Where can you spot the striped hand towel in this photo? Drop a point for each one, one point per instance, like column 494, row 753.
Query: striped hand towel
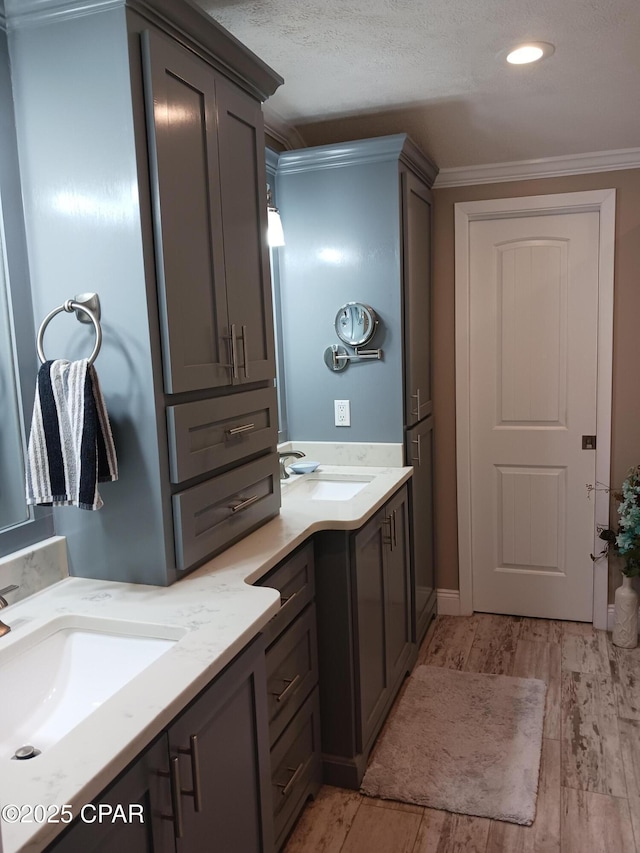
column 70, row 446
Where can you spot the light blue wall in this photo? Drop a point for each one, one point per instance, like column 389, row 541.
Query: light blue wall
column 74, row 116
column 342, row 232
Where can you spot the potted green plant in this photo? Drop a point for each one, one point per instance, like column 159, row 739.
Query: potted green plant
column 625, row 543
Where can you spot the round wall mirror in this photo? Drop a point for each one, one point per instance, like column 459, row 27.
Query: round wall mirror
column 356, row 323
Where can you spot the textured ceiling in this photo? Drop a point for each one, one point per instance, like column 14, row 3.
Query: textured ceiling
column 355, row 68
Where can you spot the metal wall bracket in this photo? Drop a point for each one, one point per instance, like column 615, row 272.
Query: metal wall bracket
column 337, row 357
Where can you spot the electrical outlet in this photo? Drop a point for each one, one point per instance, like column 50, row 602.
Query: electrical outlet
column 342, row 410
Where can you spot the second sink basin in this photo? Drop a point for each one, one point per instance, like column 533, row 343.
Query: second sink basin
column 331, row 487
column 53, row 678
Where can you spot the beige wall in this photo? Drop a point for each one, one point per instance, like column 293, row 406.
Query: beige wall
column 626, row 356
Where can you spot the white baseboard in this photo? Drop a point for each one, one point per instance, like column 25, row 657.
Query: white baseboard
column 448, row 602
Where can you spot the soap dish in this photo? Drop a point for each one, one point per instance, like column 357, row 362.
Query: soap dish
column 305, row 467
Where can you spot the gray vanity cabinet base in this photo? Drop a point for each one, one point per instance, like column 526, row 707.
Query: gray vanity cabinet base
column 420, row 454
column 296, row 772
column 229, row 721
column 205, row 783
column 144, row 784
column 365, row 646
column 292, row 691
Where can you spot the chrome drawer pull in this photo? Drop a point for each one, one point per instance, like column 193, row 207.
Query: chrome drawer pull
column 237, row 430
column 296, row 775
column 193, row 753
column 176, row 817
column 417, row 460
column 394, row 531
column 291, row 683
column 244, row 504
column 288, row 598
column 389, row 541
column 234, row 351
column 416, row 396
column 245, row 346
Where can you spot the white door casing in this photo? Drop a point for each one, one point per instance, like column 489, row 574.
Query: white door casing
column 518, row 428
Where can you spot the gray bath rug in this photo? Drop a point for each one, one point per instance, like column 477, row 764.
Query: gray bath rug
column 462, row 742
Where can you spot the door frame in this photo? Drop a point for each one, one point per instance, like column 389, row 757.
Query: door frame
column 604, row 203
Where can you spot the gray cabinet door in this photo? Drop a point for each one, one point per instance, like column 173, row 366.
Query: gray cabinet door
column 383, row 602
column 420, row 454
column 363, row 598
column 143, row 789
column 180, row 101
column 372, row 678
column 221, row 743
column 416, row 227
column 244, row 226
column 398, row 622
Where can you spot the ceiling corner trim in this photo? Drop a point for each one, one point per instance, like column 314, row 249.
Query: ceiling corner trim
column 548, row 167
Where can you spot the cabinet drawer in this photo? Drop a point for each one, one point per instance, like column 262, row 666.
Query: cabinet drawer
column 292, row 671
column 295, row 582
column 209, row 434
column 214, row 514
column 295, row 767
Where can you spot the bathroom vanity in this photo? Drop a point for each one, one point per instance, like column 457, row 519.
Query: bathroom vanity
column 245, row 687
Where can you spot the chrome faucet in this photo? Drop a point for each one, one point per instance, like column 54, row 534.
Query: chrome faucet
column 289, row 454
column 4, row 629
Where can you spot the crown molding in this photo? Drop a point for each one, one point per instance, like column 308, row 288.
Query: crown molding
column 183, row 21
column 546, row 167
column 25, row 13
column 280, row 129
column 357, row 152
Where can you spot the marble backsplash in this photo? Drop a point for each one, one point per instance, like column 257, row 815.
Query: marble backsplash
column 34, row 568
column 378, row 454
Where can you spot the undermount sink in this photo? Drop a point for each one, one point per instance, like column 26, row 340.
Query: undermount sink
column 331, row 487
column 59, row 674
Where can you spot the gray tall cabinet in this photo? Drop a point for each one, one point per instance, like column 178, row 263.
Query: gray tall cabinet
column 141, row 147
column 357, row 220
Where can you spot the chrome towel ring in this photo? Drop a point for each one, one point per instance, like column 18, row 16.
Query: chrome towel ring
column 89, row 305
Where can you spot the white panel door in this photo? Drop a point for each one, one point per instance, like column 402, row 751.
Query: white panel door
column 533, row 368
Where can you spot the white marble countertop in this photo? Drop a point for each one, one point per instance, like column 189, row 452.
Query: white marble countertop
column 220, row 611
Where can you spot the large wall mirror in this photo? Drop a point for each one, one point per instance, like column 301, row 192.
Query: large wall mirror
column 20, row 525
column 13, row 508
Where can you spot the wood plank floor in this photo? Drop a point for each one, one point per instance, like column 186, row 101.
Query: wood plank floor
column 589, row 790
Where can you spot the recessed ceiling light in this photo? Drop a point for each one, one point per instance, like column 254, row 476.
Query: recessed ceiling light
column 530, row 52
